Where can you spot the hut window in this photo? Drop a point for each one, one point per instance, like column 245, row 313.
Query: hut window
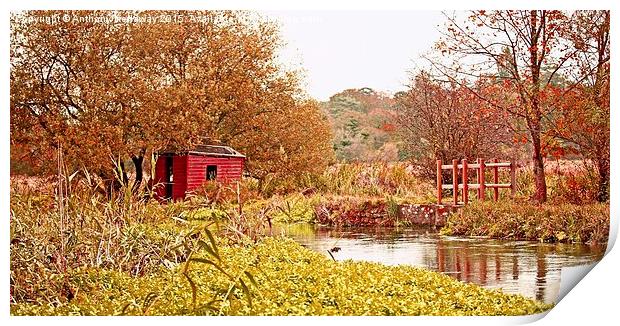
column 211, row 172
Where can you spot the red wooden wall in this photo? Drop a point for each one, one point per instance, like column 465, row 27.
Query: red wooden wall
column 228, row 169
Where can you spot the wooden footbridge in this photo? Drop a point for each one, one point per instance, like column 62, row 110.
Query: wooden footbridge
column 480, row 185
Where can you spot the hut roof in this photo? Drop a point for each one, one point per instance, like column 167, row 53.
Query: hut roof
column 209, row 150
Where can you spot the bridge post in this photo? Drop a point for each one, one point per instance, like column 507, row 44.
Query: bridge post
column 455, row 181
column 478, row 176
column 482, row 185
column 439, row 182
column 513, row 179
column 495, row 181
column 465, row 183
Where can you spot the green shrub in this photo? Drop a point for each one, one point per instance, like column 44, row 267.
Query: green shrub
column 205, row 214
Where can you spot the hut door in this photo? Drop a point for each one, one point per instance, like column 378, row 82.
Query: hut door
column 168, row 177
column 211, row 172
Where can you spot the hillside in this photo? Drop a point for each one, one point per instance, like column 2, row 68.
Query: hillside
column 362, row 121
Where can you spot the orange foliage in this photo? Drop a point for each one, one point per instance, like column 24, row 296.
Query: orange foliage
column 113, row 91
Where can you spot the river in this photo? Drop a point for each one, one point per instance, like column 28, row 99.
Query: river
column 529, row 268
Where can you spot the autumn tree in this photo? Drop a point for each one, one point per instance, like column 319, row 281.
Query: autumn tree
column 442, row 120
column 582, row 121
column 70, row 88
column 110, row 91
column 244, row 98
column 525, row 51
column 288, row 145
column 221, row 80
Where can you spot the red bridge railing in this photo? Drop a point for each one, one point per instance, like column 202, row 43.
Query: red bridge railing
column 480, row 166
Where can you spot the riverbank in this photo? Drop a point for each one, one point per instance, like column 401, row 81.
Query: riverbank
column 379, row 212
column 567, row 223
column 505, row 219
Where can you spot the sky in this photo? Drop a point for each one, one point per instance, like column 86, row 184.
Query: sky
column 353, row 49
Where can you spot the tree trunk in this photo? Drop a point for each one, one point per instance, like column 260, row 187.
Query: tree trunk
column 124, row 174
column 602, row 102
column 602, row 165
column 540, row 194
column 137, row 162
column 535, row 116
column 111, row 183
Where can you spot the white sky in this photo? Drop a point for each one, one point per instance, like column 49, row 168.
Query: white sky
column 354, row 49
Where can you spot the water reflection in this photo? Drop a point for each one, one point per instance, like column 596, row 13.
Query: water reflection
column 529, row 268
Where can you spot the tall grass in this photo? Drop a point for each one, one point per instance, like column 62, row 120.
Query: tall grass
column 524, row 221
column 359, row 179
column 566, row 183
column 50, row 234
column 127, row 232
column 376, row 179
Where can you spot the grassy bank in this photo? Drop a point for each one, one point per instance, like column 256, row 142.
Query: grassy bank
column 287, row 280
column 517, row 220
column 90, row 255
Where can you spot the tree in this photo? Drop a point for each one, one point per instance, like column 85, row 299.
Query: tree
column 583, row 118
column 110, row 90
column 442, row 120
column 524, row 51
column 291, row 144
column 70, row 89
